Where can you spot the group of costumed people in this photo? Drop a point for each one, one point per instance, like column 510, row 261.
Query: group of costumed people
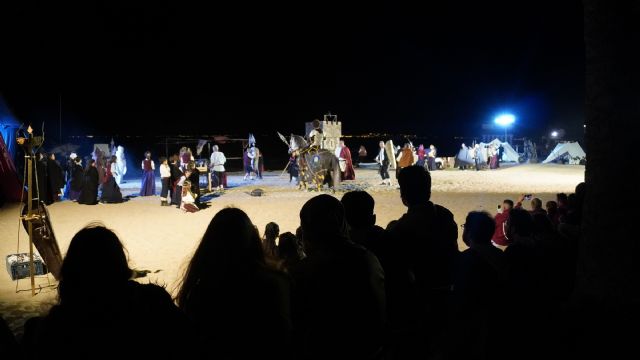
column 98, row 179
column 409, row 156
column 473, row 156
column 180, row 178
column 405, row 157
column 101, row 172
column 48, row 178
column 81, row 185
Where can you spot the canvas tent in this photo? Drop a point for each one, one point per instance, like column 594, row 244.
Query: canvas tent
column 10, row 187
column 570, row 151
column 8, row 127
column 508, row 155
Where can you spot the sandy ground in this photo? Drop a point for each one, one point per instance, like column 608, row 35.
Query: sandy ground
column 162, row 239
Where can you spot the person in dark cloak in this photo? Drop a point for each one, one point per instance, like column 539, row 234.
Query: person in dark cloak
column 77, row 179
column 42, row 188
column 89, row 194
column 55, row 177
column 110, row 190
column 68, row 174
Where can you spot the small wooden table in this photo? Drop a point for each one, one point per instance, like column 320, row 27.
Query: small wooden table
column 204, row 169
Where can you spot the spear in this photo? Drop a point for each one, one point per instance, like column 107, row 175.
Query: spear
column 284, row 139
column 285, row 168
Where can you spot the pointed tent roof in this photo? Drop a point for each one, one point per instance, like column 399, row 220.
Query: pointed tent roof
column 6, row 117
column 571, row 149
column 8, row 126
column 509, row 155
column 10, row 188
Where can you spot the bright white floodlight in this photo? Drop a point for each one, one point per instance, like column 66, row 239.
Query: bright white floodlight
column 505, row 119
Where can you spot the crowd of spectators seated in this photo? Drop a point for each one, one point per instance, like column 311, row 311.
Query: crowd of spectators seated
column 341, row 287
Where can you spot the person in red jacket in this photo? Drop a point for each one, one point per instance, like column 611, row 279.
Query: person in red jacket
column 499, row 238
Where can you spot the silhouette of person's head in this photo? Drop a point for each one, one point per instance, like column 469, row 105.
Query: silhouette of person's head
column 288, row 245
column 95, row 260
column 507, row 204
column 562, row 199
column 415, row 185
column 358, row 208
column 230, row 246
column 536, row 204
column 478, row 228
column 271, row 231
column 323, row 222
column 520, row 223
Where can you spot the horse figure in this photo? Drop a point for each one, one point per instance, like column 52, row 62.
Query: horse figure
column 317, row 166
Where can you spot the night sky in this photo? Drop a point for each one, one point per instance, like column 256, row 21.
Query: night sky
column 125, row 68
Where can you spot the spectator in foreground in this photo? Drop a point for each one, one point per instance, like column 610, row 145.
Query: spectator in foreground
column 419, row 259
column 478, row 283
column 338, row 298
column 290, row 251
column 271, row 232
column 358, row 206
column 101, row 309
column 238, row 304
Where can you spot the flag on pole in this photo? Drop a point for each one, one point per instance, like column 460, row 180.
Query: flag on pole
column 201, row 144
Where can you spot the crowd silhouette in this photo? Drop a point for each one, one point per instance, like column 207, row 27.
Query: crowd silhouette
column 341, row 287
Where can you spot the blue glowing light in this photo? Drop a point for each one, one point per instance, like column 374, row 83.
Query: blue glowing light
column 505, row 119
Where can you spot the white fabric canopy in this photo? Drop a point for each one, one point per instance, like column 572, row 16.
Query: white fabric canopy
column 571, row 149
column 508, row 155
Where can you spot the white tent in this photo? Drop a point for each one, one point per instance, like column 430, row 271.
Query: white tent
column 508, row 154
column 572, row 150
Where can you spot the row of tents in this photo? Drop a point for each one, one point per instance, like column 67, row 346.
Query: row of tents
column 466, row 154
column 566, row 152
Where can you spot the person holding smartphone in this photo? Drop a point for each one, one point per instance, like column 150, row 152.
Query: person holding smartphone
column 499, row 238
column 522, row 198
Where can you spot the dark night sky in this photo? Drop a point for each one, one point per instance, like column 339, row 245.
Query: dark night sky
column 123, row 68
